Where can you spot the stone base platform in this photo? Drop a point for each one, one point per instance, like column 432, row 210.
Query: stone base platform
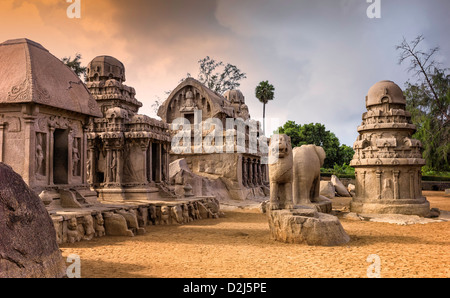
column 128, row 218
column 407, row 207
column 120, row 194
column 304, row 225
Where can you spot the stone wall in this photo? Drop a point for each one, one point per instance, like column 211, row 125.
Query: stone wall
column 129, row 219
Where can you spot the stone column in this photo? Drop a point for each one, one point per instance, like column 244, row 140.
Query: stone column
column 255, row 174
column 396, row 188
column 108, row 166
column 2, row 127
column 250, row 173
column 412, row 191
column 144, row 147
column 30, row 151
column 119, row 169
column 244, row 172
column 50, row 154
column 158, row 163
column 92, row 164
column 69, row 156
column 150, row 162
column 380, row 186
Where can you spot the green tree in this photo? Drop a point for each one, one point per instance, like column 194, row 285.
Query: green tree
column 218, row 76
column 317, row 134
column 264, row 92
column 75, row 65
column 428, row 101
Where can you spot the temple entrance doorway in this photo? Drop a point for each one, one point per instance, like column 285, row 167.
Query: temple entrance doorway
column 61, row 156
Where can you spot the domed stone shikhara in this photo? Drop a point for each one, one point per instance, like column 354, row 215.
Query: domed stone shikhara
column 387, row 159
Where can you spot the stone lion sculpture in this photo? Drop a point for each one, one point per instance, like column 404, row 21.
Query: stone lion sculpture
column 306, row 181
column 280, row 172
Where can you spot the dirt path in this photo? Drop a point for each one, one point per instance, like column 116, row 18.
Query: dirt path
column 239, row 246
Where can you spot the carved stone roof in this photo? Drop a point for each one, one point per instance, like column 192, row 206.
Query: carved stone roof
column 31, row 74
column 385, row 90
column 218, row 103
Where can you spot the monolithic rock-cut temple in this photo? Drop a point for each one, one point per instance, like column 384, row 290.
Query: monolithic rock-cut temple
column 239, row 167
column 128, row 153
column 387, row 159
column 44, row 111
column 99, row 167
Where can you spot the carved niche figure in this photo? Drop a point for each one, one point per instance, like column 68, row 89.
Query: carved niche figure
column 40, row 155
column 113, row 167
column 75, row 157
column 280, row 172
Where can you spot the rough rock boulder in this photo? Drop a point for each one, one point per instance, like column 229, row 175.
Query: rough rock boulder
column 304, row 225
column 28, row 246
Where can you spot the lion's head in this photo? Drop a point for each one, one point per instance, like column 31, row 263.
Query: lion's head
column 280, row 146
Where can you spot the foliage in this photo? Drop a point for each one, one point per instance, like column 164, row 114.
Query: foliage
column 75, row 65
column 211, row 76
column 428, row 101
column 317, row 134
column 264, row 92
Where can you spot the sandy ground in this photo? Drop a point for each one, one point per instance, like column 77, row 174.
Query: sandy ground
column 239, row 245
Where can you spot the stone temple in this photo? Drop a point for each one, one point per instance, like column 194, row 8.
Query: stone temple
column 98, row 166
column 387, row 159
column 240, row 165
column 44, row 111
column 128, row 153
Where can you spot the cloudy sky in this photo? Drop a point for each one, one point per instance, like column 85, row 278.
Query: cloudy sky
column 322, row 56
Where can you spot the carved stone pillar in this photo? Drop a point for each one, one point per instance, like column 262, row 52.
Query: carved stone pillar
column 143, row 143
column 108, row 166
column 380, row 186
column 91, row 163
column 250, row 173
column 412, row 191
column 157, row 167
column 2, row 127
column 150, row 162
column 30, row 148
column 50, row 154
column 396, row 188
column 119, row 170
column 244, row 172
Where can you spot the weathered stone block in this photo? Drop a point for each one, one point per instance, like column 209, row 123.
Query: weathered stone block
column 305, row 225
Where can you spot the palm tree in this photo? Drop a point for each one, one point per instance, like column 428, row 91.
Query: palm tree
column 264, row 92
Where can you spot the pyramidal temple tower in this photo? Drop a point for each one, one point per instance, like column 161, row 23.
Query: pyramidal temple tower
column 387, row 159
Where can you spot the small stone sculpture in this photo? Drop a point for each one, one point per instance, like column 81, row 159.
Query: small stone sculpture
column 165, row 215
column 186, row 217
column 178, row 214
column 73, row 234
column 88, row 225
column 152, row 214
column 99, row 225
